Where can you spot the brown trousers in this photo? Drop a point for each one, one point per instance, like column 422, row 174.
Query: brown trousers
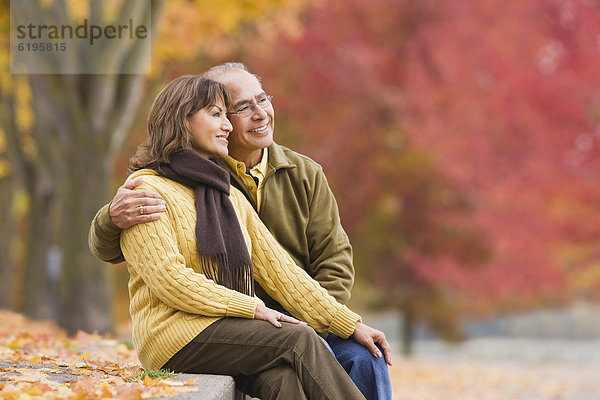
column 290, row 362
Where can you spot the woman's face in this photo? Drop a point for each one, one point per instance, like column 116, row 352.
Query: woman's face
column 210, row 129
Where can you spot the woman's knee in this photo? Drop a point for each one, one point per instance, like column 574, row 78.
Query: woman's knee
column 306, row 345
column 304, row 335
column 284, row 383
column 276, row 383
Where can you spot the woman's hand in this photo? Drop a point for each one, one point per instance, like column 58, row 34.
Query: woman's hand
column 368, row 336
column 273, row 316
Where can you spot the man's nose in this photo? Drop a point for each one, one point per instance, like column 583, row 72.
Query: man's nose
column 259, row 113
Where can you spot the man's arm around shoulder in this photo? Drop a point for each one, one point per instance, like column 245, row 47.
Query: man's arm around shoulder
column 129, row 207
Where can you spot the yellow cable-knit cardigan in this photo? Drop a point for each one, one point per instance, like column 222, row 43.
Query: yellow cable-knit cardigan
column 171, row 301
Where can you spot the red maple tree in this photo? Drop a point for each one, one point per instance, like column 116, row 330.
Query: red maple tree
column 454, row 134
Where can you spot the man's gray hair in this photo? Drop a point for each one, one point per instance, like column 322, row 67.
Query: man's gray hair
column 228, row 67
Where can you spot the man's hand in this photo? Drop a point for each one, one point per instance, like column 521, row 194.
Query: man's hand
column 368, row 336
column 273, row 316
column 131, row 207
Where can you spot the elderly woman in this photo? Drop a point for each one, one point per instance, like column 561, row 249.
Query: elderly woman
column 192, row 271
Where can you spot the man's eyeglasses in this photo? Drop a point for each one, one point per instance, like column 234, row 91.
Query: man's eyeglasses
column 247, row 109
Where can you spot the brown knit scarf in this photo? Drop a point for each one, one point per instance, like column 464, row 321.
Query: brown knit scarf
column 218, row 234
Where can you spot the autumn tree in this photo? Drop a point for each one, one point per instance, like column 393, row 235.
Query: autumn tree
column 19, row 175
column 6, row 185
column 511, row 110
column 455, row 135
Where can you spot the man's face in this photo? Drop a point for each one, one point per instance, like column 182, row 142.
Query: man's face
column 252, row 133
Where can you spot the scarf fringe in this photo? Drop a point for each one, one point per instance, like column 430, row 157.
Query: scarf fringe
column 240, row 279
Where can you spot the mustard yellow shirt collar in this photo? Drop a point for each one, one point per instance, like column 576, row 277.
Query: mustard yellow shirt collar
column 261, row 167
column 259, row 171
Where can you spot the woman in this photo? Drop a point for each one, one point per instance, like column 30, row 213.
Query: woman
column 191, row 273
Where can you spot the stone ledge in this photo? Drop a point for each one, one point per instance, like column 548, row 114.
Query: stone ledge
column 210, row 387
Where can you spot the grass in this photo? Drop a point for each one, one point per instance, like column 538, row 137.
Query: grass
column 156, row 373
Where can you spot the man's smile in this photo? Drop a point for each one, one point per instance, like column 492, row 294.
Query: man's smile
column 260, row 129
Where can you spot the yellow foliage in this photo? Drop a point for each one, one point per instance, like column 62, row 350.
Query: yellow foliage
column 77, row 9
column 4, row 48
column 25, row 118
column 21, row 204
column 24, row 112
column 4, row 169
column 6, row 82
column 47, row 3
column 583, row 276
column 587, row 279
column 2, row 141
column 189, row 28
column 111, row 9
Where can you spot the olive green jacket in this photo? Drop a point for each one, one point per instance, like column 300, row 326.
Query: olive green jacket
column 298, row 208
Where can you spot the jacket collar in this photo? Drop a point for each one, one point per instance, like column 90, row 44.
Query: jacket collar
column 277, row 158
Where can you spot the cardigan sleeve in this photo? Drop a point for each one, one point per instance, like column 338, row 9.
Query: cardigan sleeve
column 289, row 284
column 152, row 253
column 103, row 238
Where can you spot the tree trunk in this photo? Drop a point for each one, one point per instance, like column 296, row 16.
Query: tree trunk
column 408, row 330
column 36, row 301
column 7, row 232
column 26, row 282
column 85, row 287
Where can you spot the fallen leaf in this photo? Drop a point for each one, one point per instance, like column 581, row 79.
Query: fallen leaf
column 107, row 394
column 149, row 381
column 35, row 360
column 190, row 382
column 129, row 393
column 84, row 385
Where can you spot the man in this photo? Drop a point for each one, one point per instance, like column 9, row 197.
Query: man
column 292, row 197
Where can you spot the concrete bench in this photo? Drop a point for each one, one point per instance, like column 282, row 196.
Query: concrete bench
column 210, row 387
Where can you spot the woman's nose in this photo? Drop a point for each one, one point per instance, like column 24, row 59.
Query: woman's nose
column 227, row 125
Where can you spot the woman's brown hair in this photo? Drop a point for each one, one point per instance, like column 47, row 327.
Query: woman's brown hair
column 168, row 130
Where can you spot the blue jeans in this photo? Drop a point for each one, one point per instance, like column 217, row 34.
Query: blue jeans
column 368, row 373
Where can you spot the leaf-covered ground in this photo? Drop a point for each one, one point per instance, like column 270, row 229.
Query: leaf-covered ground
column 38, row 361
column 494, row 380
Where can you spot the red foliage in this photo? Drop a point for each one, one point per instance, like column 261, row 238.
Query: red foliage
column 480, row 117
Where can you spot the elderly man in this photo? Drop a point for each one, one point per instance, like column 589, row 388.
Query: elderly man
column 292, row 197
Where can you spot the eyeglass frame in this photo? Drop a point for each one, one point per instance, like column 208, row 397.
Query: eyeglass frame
column 251, row 107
